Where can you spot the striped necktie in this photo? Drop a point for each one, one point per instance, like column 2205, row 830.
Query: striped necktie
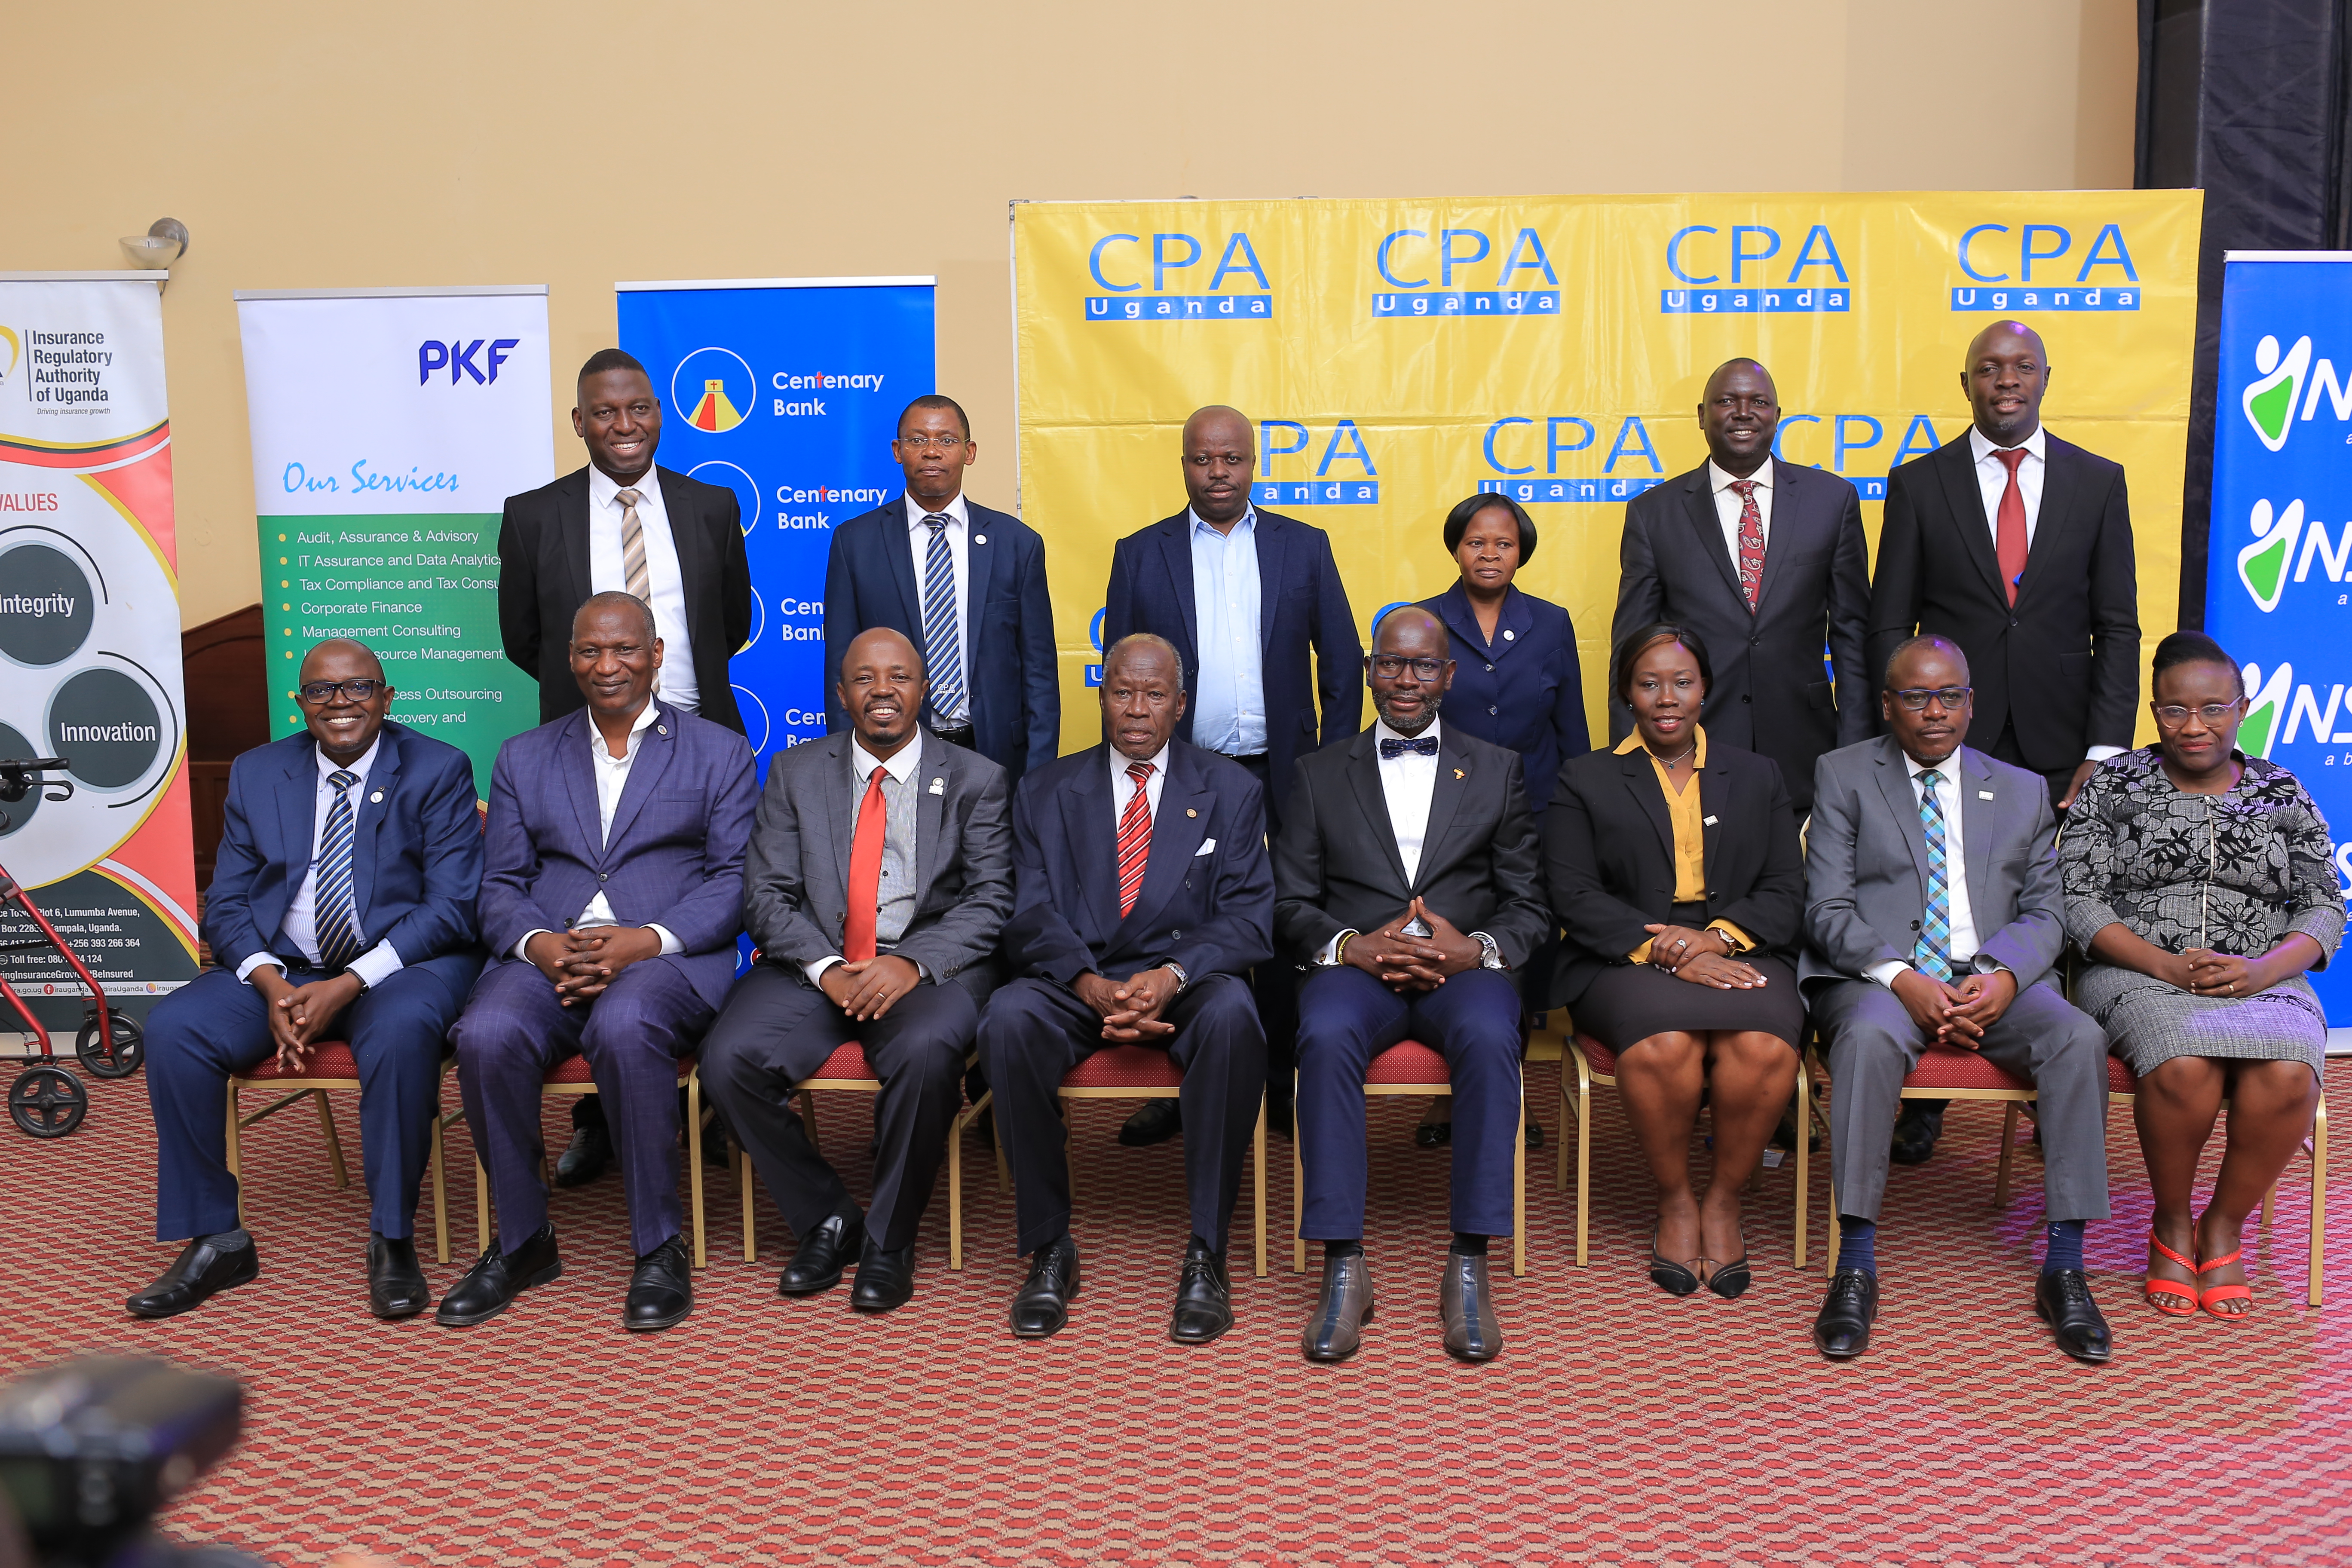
column 1932, row 954
column 336, row 903
column 942, row 637
column 637, row 578
column 1134, row 837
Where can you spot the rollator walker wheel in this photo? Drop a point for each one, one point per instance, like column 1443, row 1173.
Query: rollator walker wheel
column 48, row 1101
column 129, row 1049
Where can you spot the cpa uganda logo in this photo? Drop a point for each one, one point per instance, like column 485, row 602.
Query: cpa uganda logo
column 715, row 389
column 2270, row 398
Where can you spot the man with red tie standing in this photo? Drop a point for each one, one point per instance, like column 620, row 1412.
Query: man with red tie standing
column 2018, row 546
column 879, row 875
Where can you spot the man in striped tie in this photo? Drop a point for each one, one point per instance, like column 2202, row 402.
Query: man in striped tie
column 342, row 910
column 1142, row 898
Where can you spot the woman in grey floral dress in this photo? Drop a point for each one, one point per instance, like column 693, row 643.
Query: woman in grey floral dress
column 2199, row 882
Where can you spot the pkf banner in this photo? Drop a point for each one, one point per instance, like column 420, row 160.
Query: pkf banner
column 90, row 639
column 787, row 391
column 2278, row 587
column 389, row 426
column 1399, row 355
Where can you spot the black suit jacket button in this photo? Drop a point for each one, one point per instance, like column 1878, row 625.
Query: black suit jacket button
column 1914, row 925
column 602, row 878
column 1745, row 698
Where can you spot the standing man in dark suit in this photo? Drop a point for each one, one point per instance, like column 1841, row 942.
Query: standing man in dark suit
column 1934, row 915
column 880, row 871
column 1141, row 899
column 1407, row 880
column 966, row 586
column 1244, row 596
column 1767, row 563
column 611, row 904
column 621, row 524
column 343, row 901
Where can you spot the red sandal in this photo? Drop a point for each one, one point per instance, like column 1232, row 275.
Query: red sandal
column 2158, row 1290
column 2207, row 1295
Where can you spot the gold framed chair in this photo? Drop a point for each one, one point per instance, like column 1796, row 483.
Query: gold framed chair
column 332, row 1067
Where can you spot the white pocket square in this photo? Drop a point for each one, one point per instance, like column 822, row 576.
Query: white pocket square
column 1207, row 846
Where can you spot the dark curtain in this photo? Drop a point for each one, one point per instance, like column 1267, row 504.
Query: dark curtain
column 2247, row 100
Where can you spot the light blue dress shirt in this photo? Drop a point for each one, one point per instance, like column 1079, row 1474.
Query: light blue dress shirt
column 1229, row 699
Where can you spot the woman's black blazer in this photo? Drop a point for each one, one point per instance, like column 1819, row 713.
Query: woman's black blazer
column 1608, row 856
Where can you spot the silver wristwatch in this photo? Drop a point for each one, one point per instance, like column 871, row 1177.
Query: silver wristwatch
column 1490, row 956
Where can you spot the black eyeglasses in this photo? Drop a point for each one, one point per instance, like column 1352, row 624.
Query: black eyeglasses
column 944, row 443
column 1915, row 698
column 319, row 693
column 2172, row 715
column 1389, row 666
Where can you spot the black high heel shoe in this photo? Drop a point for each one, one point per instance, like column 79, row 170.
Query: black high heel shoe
column 1732, row 1279
column 1666, row 1274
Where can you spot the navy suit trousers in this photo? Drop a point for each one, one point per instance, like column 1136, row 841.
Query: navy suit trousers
column 1345, row 1019
column 514, row 1029
column 217, row 1025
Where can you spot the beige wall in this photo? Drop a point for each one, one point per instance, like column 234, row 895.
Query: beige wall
column 499, row 141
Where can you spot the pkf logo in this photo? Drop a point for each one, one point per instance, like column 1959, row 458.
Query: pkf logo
column 462, row 358
column 715, row 390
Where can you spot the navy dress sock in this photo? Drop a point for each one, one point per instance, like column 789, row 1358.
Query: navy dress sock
column 1857, row 1244
column 2062, row 1246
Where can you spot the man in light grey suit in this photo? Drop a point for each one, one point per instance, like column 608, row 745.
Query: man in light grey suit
column 879, row 874
column 1933, row 917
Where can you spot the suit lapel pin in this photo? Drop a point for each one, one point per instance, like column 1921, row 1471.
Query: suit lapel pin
column 1460, row 774
column 377, row 796
column 1510, row 637
column 939, row 786
column 661, row 728
column 1984, row 795
column 980, row 539
column 1707, row 822
column 1190, row 812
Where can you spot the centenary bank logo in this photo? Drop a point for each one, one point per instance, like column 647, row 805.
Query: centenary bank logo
column 1288, row 437
column 1121, row 262
column 2269, row 399
column 1524, row 285
column 1698, row 253
column 2004, row 267
column 715, row 389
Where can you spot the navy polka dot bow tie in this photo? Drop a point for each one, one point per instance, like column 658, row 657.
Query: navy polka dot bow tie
column 1420, row 745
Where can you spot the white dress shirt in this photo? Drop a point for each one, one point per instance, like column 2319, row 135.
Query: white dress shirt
column 1122, row 788
column 1727, row 505
column 1229, row 693
column 1992, row 483
column 612, row 779
column 608, row 573
column 1408, row 782
column 1964, row 952
column 300, row 924
column 901, row 769
column 959, row 537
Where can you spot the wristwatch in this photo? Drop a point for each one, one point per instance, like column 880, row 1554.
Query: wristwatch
column 1182, row 979
column 1490, row 956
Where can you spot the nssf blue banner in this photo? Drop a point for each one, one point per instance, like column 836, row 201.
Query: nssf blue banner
column 787, row 392
column 2278, row 591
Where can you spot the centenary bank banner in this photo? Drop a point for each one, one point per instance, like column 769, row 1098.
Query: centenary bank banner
column 787, row 391
column 90, row 639
column 1401, row 355
column 2278, row 591
column 389, row 425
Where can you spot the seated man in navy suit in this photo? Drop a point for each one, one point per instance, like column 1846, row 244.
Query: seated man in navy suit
column 611, row 900
column 342, row 906
column 1142, row 898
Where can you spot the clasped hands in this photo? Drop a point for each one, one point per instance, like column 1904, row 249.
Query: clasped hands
column 299, row 1014
column 1404, row 963
column 2205, row 973
column 1130, row 1008
column 1702, row 957
column 581, row 963
column 1956, row 1015
column 865, row 988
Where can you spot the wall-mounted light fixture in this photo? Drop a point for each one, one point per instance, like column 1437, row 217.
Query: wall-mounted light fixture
column 165, row 241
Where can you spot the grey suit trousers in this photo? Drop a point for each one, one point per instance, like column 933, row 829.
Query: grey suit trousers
column 2043, row 1039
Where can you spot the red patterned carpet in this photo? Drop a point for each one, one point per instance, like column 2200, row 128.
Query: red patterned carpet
column 1619, row 1426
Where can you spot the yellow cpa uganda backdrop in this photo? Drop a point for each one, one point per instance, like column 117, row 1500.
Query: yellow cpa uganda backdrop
column 1399, row 355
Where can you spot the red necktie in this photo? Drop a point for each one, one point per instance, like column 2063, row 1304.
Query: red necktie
column 2009, row 527
column 1751, row 542
column 1134, row 839
column 866, row 871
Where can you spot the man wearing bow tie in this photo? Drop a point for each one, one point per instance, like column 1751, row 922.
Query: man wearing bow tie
column 1406, row 884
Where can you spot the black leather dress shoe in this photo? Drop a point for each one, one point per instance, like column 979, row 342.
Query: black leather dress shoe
column 586, row 1157
column 2063, row 1300
column 1465, row 1305
column 822, row 1255
column 661, row 1288
column 396, row 1287
column 885, row 1281
column 1915, row 1131
column 201, row 1272
column 1204, row 1298
column 1043, row 1303
column 1336, row 1332
column 1156, row 1122
column 491, row 1285
column 1841, row 1328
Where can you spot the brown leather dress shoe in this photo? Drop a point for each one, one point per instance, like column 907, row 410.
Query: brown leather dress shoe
column 1465, row 1301
column 1336, row 1332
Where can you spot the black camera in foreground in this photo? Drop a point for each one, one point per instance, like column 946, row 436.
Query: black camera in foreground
column 91, row 1448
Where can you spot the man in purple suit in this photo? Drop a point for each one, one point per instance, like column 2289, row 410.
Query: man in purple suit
column 610, row 904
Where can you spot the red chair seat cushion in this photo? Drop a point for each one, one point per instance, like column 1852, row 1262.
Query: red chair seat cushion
column 331, row 1060
column 2121, row 1079
column 1125, row 1066
column 1408, row 1061
column 848, row 1061
column 1942, row 1068
column 573, row 1068
column 1601, row 1059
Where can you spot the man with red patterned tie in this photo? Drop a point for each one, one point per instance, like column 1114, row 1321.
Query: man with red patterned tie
column 878, row 876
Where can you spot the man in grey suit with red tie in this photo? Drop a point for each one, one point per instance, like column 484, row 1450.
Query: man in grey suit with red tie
column 1142, row 896
column 1767, row 562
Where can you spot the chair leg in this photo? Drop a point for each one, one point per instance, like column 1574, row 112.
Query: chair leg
column 2008, row 1145
column 1837, row 1237
column 2318, row 1195
column 1519, row 1186
column 440, row 1195
column 955, row 1193
column 1583, row 1156
column 1003, row 1168
column 1297, row 1188
column 334, row 1144
column 1804, row 1123
column 235, row 1155
column 693, row 1158
column 747, row 1185
column 808, row 1119
column 482, row 1231
column 2270, row 1204
column 1257, row 1179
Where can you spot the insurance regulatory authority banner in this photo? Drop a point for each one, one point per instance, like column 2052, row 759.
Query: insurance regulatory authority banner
column 389, row 426
column 1399, row 355
column 89, row 640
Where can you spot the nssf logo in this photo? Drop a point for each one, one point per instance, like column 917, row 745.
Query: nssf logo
column 2004, row 262
column 2283, row 380
column 2272, row 561
column 1121, row 262
column 1524, row 284
column 1698, row 256
column 479, row 359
